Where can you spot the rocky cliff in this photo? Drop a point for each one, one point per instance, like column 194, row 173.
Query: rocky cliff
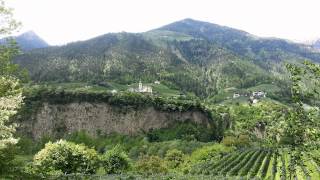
column 100, row 117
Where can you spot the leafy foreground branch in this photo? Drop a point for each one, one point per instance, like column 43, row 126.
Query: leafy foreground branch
column 301, row 125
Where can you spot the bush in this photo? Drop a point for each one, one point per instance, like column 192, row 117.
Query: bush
column 241, row 141
column 229, row 141
column 213, row 153
column 151, row 165
column 81, row 137
column 286, row 140
column 174, row 158
column 115, row 161
column 8, row 163
column 67, row 158
column 188, row 130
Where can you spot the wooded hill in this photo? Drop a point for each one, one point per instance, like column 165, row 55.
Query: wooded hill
column 189, row 55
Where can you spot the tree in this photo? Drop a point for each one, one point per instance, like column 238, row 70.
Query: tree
column 115, row 161
column 210, row 153
column 301, row 124
column 149, row 165
column 10, row 89
column 65, row 157
column 174, row 158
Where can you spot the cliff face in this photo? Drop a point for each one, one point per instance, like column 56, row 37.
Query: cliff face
column 57, row 119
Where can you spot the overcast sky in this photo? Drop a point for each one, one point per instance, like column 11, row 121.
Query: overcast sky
column 62, row 21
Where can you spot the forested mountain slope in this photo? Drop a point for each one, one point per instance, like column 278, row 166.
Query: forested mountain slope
column 190, row 55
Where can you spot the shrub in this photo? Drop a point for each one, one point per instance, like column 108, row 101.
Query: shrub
column 115, row 161
column 174, row 158
column 67, row 158
column 286, row 140
column 81, row 137
column 241, row 141
column 160, row 148
column 213, row 152
column 229, row 141
column 188, row 130
column 8, row 163
column 151, row 165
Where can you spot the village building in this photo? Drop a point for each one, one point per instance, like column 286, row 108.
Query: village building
column 236, row 95
column 259, row 94
column 142, row 88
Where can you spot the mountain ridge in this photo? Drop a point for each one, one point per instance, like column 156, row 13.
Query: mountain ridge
column 28, row 40
column 190, row 55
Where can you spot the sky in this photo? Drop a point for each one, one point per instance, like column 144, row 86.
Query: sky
column 61, row 21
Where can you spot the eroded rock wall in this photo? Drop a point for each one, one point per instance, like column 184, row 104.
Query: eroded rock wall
column 57, row 119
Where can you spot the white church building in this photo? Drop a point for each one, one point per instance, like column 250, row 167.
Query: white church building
column 141, row 89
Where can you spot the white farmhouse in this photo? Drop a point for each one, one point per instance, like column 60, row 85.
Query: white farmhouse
column 259, row 94
column 236, row 95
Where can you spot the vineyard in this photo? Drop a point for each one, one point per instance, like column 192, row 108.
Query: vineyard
column 259, row 164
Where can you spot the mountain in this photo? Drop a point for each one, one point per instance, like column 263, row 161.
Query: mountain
column 190, row 55
column 316, row 44
column 29, row 40
column 239, row 41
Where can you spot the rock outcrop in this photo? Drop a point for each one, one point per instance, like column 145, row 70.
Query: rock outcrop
column 59, row 119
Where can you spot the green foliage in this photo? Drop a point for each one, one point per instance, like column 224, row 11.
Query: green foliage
column 266, row 165
column 29, row 146
column 115, row 161
column 134, row 145
column 174, row 158
column 149, row 165
column 134, row 100
column 10, row 101
column 299, row 124
column 182, row 130
column 82, row 137
column 210, row 153
column 10, row 89
column 65, row 157
column 8, row 164
column 259, row 121
column 160, row 148
column 229, row 141
column 240, row 142
column 187, row 58
column 10, row 93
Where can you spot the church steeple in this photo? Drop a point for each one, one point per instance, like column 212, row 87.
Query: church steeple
column 140, row 85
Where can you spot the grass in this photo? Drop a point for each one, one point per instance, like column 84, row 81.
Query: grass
column 265, row 87
column 159, row 89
